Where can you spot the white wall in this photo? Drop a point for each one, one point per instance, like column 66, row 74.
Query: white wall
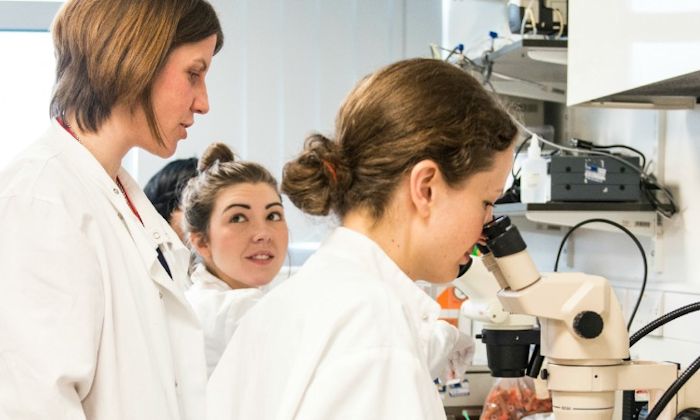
column 285, row 68
column 469, row 22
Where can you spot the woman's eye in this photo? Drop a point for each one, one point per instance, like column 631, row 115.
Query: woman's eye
column 487, row 204
column 238, row 218
column 275, row 216
column 194, row 76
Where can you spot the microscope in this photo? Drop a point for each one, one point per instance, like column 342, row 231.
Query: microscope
column 581, row 346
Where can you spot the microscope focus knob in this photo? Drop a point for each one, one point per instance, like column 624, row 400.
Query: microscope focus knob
column 588, row 324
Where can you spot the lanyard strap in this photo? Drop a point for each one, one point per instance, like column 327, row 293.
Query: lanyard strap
column 128, row 201
column 161, row 257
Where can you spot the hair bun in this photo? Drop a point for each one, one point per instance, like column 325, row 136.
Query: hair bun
column 216, row 152
column 317, row 179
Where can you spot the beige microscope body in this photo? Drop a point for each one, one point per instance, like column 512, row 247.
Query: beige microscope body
column 583, row 338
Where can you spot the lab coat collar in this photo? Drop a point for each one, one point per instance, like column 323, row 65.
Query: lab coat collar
column 201, row 277
column 154, row 232
column 146, row 237
column 423, row 310
column 160, row 233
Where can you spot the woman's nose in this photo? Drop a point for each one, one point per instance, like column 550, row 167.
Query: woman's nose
column 200, row 104
column 262, row 234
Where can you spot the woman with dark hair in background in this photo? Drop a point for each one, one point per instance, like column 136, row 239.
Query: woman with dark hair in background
column 420, row 154
column 234, row 220
column 164, row 190
column 95, row 324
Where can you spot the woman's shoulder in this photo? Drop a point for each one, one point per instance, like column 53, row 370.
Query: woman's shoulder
column 330, row 289
column 42, row 172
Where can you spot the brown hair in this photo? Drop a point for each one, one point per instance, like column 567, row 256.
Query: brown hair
column 109, row 52
column 406, row 112
column 218, row 169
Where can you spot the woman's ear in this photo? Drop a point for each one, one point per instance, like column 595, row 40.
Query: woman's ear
column 200, row 245
column 423, row 180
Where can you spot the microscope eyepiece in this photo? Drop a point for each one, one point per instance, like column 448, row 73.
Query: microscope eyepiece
column 503, row 238
column 496, row 227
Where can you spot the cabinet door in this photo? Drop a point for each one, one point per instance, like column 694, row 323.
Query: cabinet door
column 617, row 46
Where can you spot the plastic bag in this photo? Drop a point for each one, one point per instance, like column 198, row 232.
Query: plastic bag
column 513, row 399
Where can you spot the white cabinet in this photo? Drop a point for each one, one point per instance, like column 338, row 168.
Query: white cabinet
column 634, row 51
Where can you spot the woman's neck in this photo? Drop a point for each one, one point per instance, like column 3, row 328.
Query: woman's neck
column 108, row 145
column 393, row 238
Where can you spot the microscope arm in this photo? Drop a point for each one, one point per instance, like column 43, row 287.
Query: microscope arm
column 483, row 303
column 580, row 318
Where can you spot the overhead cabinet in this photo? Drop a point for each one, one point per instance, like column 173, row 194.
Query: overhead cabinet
column 632, row 53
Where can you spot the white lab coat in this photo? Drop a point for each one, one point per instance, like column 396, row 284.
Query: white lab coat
column 219, row 309
column 91, row 325
column 345, row 338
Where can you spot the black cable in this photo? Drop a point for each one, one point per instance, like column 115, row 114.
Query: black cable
column 663, row 320
column 649, row 185
column 589, row 145
column 624, row 146
column 636, row 242
column 673, row 389
column 517, row 152
column 512, row 193
column 628, row 396
column 648, row 181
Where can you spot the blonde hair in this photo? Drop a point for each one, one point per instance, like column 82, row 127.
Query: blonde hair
column 406, row 112
column 110, row 51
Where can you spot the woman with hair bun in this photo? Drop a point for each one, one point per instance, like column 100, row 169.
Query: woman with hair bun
column 420, row 154
column 234, row 221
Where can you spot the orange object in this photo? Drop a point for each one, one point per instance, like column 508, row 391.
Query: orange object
column 450, row 301
column 512, row 399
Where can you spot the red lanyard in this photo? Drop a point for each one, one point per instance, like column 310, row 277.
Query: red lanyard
column 128, row 200
column 161, row 257
column 119, row 183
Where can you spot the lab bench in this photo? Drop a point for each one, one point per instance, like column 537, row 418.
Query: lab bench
column 480, row 383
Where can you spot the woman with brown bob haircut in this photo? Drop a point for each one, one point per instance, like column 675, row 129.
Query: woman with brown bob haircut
column 420, row 154
column 94, row 320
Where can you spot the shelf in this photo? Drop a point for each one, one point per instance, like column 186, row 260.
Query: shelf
column 535, row 60
column 531, row 67
column 536, row 68
column 639, row 218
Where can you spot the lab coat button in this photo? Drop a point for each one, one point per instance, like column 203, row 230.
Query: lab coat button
column 116, row 190
column 156, row 235
column 160, row 294
column 175, row 384
column 425, row 317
